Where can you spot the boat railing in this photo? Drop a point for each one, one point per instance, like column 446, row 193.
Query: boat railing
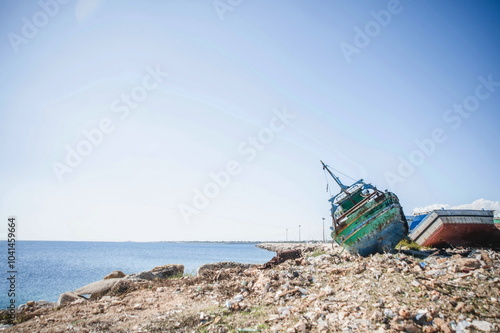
column 354, row 210
column 370, row 208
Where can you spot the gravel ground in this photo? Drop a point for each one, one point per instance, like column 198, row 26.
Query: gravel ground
column 325, row 290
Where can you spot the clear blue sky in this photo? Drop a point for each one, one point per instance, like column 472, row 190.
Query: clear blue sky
column 403, row 94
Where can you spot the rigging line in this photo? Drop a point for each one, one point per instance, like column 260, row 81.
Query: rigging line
column 342, row 173
column 327, row 183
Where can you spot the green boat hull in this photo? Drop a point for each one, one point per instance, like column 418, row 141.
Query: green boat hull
column 375, row 227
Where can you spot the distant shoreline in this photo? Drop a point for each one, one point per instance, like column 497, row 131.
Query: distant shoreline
column 190, row 241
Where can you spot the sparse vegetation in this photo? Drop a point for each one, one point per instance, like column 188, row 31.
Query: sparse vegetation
column 409, row 244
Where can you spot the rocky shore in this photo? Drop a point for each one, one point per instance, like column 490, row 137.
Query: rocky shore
column 306, row 247
column 324, row 289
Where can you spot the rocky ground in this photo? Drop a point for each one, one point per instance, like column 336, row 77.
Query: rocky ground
column 325, row 290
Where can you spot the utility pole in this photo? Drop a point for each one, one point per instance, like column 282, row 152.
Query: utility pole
column 323, row 229
column 299, row 232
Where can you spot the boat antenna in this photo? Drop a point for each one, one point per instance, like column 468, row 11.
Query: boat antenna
column 342, row 186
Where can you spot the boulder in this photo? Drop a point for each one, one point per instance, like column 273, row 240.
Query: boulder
column 114, row 275
column 141, row 276
column 121, row 287
column 96, row 289
column 168, row 271
column 220, row 265
column 66, row 298
column 282, row 257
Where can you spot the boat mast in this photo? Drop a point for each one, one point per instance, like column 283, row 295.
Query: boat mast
column 342, row 186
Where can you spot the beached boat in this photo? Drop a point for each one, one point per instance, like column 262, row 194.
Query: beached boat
column 366, row 220
column 415, row 220
column 457, row 227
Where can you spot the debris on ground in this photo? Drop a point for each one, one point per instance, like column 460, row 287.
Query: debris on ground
column 325, row 290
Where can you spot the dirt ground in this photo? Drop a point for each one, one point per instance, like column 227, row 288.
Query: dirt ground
column 325, row 290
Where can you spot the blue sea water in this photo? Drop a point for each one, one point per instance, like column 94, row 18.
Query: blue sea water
column 47, row 269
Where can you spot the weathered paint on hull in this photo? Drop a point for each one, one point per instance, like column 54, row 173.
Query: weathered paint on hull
column 379, row 241
column 377, row 233
column 443, row 228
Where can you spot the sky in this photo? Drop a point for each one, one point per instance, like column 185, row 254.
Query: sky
column 207, row 120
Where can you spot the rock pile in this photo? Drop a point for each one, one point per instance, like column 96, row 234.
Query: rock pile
column 390, row 292
column 332, row 291
column 116, row 283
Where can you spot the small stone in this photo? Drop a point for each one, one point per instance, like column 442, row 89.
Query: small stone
column 460, row 306
column 412, row 328
column 405, row 313
column 421, row 315
column 389, row 314
column 300, row 327
column 328, row 290
column 462, row 325
column 342, row 315
column 379, row 304
column 311, row 316
column 486, row 258
column 377, row 316
column 429, row 329
column 273, row 317
column 467, row 264
column 322, row 325
column 137, row 306
column 469, row 308
column 284, row 311
column 439, row 322
column 446, row 328
column 203, row 317
column 417, row 269
column 398, row 327
column 482, row 325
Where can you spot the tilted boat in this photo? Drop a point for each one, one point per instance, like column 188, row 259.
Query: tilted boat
column 414, row 221
column 457, row 227
column 365, row 219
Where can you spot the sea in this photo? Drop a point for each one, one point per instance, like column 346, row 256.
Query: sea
column 46, row 269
